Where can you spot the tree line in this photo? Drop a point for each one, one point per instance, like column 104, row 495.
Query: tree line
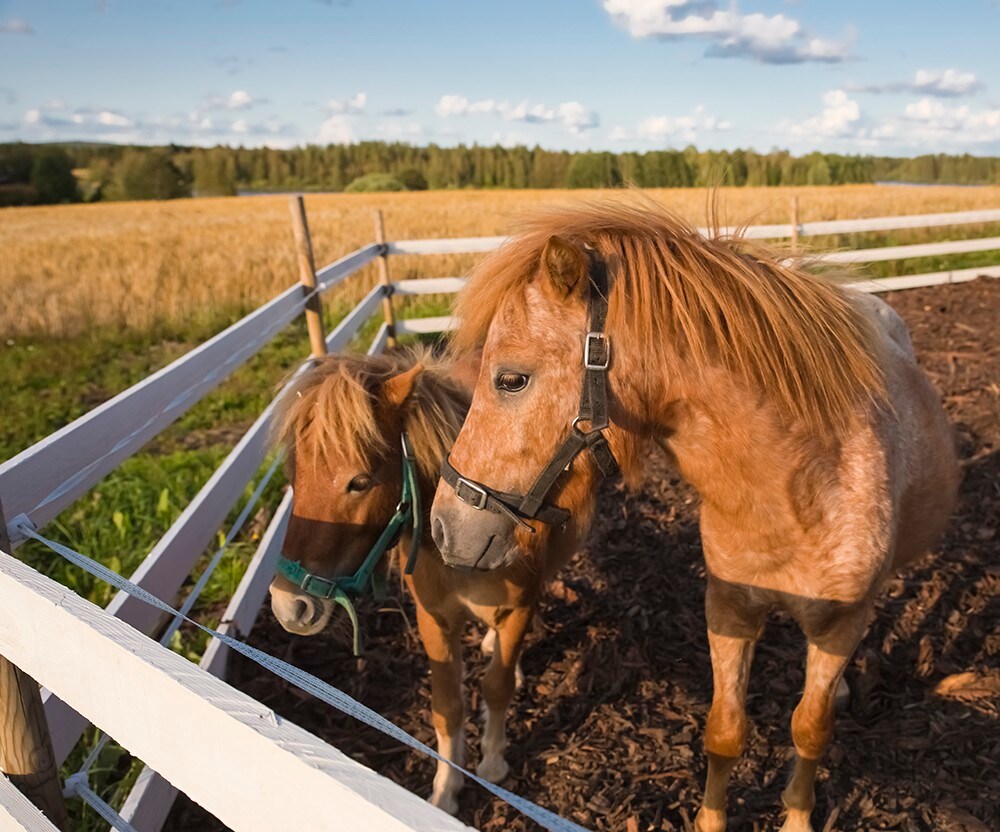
column 53, row 173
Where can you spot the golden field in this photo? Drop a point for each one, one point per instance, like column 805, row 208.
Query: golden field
column 66, row 270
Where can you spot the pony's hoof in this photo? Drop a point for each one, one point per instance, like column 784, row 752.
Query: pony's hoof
column 493, row 769
column 710, row 820
column 796, row 822
column 446, row 802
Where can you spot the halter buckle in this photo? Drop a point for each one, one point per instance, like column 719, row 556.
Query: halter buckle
column 481, row 497
column 309, row 577
column 592, row 339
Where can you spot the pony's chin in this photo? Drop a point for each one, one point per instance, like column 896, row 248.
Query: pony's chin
column 495, row 552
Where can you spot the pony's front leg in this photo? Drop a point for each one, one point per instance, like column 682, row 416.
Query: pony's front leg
column 733, row 629
column 812, row 721
column 444, row 650
column 499, row 683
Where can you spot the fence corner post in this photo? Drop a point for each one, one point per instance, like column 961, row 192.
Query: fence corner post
column 795, row 224
column 26, row 755
column 307, row 275
column 383, row 276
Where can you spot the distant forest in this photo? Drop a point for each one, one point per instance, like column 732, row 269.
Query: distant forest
column 55, row 173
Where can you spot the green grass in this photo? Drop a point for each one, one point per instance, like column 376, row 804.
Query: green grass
column 52, row 382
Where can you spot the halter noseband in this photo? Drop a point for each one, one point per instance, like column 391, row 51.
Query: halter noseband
column 593, row 409
column 408, row 513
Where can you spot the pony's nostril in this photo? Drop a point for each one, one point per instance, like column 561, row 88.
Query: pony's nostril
column 300, row 611
column 439, row 535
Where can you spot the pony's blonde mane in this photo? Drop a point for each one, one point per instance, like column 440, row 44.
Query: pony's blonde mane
column 792, row 336
column 335, row 407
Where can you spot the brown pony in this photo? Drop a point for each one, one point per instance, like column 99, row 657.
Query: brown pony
column 341, row 426
column 793, row 405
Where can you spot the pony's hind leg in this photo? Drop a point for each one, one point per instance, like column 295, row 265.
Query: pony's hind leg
column 734, row 625
column 812, row 721
column 444, row 650
column 499, row 682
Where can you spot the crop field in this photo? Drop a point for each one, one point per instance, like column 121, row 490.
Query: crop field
column 98, row 296
column 68, row 270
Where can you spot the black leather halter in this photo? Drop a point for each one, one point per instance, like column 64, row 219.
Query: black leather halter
column 593, row 409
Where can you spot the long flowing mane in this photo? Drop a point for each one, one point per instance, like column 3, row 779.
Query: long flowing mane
column 334, row 407
column 794, row 336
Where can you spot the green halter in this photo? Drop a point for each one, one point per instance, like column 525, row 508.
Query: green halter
column 407, row 514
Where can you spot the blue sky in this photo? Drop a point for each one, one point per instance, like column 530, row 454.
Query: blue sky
column 883, row 76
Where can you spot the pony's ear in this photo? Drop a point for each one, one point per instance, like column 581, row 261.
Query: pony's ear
column 397, row 389
column 564, row 265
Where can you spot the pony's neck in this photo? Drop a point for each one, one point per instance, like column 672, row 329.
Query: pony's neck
column 734, row 449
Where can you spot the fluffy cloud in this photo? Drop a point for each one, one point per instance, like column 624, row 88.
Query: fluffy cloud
column 951, row 83
column 348, row 106
column 336, row 130
column 771, row 39
column 840, row 118
column 659, row 129
column 236, row 100
column 933, row 121
column 573, row 115
column 16, row 26
column 54, row 121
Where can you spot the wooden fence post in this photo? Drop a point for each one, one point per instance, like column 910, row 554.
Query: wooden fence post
column 383, row 276
column 795, row 224
column 26, row 755
column 307, row 275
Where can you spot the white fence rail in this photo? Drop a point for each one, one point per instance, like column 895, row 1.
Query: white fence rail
column 232, row 755
column 808, row 229
column 245, row 762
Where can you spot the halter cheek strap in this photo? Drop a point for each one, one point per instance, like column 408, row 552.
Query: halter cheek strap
column 593, row 409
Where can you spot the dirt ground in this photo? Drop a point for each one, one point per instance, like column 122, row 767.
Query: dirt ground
column 608, row 729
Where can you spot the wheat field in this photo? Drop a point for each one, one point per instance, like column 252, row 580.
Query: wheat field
column 68, row 270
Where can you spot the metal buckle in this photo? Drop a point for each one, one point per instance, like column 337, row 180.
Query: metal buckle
column 481, row 495
column 591, row 338
column 330, row 582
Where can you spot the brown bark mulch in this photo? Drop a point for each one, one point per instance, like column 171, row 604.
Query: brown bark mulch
column 607, row 730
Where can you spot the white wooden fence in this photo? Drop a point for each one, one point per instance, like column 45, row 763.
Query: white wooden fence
column 232, row 755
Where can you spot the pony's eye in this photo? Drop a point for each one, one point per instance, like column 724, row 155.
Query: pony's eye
column 362, row 482
column 510, row 382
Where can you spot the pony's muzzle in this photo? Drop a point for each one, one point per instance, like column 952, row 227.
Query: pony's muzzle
column 470, row 538
column 297, row 612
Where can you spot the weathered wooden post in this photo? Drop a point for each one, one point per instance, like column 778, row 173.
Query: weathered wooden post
column 307, row 275
column 26, row 755
column 795, row 224
column 383, row 276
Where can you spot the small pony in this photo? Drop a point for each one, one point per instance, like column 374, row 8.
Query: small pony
column 365, row 438
column 795, row 407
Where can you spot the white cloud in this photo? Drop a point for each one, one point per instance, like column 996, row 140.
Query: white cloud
column 933, row 121
column 927, row 125
column 112, row 119
column 348, row 106
column 950, row 83
column 659, row 129
column 573, row 115
column 16, row 26
column 105, row 124
column 336, row 130
column 772, row 39
column 840, row 118
column 459, row 105
column 239, row 100
column 577, row 118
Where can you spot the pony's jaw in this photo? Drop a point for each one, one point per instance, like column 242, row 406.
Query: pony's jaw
column 469, row 538
column 299, row 613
